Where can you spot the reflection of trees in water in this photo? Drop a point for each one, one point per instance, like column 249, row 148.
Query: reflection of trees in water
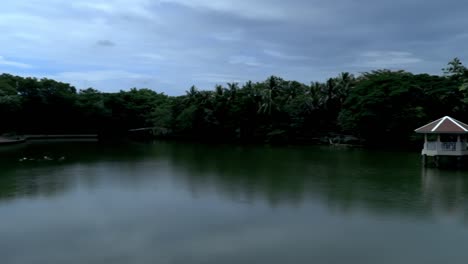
column 446, row 192
column 30, row 183
column 39, row 177
column 344, row 180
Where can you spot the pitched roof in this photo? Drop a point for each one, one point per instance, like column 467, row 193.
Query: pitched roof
column 443, row 125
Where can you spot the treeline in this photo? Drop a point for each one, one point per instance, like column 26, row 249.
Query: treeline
column 379, row 107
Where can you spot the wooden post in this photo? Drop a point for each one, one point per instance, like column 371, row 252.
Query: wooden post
column 438, row 142
column 436, row 161
column 459, row 162
column 463, row 142
column 425, row 142
column 424, row 160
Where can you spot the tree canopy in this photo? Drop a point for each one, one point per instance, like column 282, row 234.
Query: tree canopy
column 376, row 105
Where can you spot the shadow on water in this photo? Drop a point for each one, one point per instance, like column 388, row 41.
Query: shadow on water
column 344, row 180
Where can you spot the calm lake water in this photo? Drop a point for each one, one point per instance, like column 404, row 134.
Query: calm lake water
column 188, row 203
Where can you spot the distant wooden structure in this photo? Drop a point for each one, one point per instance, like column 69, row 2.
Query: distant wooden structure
column 8, row 141
column 150, row 131
column 445, row 136
column 64, row 137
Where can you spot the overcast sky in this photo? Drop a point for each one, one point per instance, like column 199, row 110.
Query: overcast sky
column 168, row 45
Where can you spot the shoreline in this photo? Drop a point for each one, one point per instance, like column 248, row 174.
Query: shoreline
column 4, row 141
column 7, row 142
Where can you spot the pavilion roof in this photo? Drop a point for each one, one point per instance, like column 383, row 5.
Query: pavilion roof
column 444, row 125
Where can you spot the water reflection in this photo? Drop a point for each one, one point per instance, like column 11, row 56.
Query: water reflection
column 189, row 203
column 345, row 180
column 446, row 192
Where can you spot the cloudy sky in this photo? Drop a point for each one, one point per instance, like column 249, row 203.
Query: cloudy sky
column 168, row 45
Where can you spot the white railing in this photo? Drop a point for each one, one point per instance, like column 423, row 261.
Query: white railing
column 433, row 148
column 431, row 145
column 448, row 146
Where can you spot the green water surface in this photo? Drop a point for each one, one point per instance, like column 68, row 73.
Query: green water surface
column 191, row 203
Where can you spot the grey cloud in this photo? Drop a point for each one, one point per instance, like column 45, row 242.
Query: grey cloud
column 105, row 43
column 16, row 64
column 281, row 55
column 183, row 42
column 245, row 60
column 386, row 59
column 214, row 78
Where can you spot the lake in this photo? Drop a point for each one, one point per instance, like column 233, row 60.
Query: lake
column 191, row 203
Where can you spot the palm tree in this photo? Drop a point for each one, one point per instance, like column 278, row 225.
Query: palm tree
column 233, row 89
column 330, row 93
column 344, row 83
column 192, row 93
column 316, row 95
column 219, row 90
column 266, row 102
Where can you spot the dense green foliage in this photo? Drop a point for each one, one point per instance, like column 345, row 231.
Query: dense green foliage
column 373, row 106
